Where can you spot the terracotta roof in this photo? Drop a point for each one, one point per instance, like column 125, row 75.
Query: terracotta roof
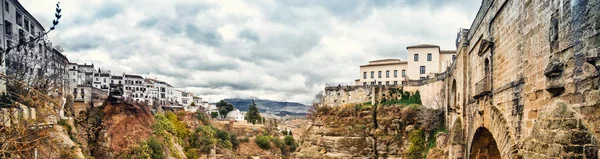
column 422, row 46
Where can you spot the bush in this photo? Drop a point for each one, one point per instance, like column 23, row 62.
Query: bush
column 416, row 149
column 206, row 144
column 225, row 144
column 161, row 124
column 179, row 129
column 291, row 142
column 263, row 141
column 156, row 146
column 222, row 134
column 201, row 116
column 235, row 143
column 214, row 114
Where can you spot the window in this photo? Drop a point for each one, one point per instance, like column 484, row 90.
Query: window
column 379, row 83
column 364, row 75
column 416, row 57
column 395, row 83
column 387, row 83
column 32, row 29
column 372, row 83
column 403, row 73
column 422, row 69
column 8, row 28
column 453, row 57
column 395, row 73
column 429, row 57
column 387, row 74
column 403, row 82
column 105, row 80
column 422, row 78
column 19, row 19
column 364, row 83
column 26, row 24
column 372, row 74
column 6, row 6
column 378, row 74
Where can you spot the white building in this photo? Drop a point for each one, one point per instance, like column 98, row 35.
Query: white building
column 134, row 87
column 102, row 80
column 183, row 98
column 236, row 115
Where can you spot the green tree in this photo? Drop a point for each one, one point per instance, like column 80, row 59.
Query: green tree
column 253, row 115
column 214, row 114
column 224, row 108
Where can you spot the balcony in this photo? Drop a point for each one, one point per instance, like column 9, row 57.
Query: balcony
column 483, row 87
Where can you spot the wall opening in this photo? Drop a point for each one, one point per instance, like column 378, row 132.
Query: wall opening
column 484, row 145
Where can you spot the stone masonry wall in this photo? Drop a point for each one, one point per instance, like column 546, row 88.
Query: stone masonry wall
column 544, row 68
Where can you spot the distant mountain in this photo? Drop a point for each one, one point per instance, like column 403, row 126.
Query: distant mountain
column 268, row 106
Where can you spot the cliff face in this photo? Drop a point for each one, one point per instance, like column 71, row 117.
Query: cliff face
column 123, row 124
column 357, row 130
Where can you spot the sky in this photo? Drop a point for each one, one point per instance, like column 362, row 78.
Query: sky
column 285, row 50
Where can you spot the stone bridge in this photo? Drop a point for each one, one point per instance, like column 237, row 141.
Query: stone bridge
column 525, row 82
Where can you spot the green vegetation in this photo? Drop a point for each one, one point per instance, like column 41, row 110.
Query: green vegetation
column 416, row 148
column 253, row 116
column 214, row 114
column 263, row 141
column 151, row 148
column 224, row 108
column 287, row 145
column 406, row 99
column 201, row 116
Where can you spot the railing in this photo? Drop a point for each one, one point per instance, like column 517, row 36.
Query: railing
column 340, row 84
column 483, row 87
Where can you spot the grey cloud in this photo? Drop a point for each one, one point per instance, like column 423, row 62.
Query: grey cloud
column 249, row 35
column 205, row 36
column 108, row 10
column 82, row 42
column 308, row 40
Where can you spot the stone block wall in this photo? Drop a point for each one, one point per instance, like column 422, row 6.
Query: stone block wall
column 544, row 58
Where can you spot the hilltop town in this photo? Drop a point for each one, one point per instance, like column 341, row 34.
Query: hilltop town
column 522, row 81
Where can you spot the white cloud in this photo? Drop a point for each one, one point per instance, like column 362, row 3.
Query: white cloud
column 280, row 50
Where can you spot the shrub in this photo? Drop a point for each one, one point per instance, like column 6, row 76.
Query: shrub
column 222, row 134
column 156, row 146
column 201, row 116
column 235, row 143
column 178, row 128
column 263, row 141
column 416, row 149
column 214, row 114
column 291, row 142
column 161, row 124
column 206, row 144
column 225, row 144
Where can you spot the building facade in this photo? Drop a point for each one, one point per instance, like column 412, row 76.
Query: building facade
column 423, row 60
column 383, row 72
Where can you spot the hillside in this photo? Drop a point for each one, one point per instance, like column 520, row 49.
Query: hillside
column 269, row 106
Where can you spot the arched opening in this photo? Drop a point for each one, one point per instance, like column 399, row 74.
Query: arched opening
column 453, row 92
column 484, row 145
column 486, row 68
column 457, row 140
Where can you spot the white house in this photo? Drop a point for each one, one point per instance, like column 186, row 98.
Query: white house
column 134, row 87
column 236, row 115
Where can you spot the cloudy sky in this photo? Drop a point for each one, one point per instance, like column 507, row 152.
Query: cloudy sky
column 273, row 49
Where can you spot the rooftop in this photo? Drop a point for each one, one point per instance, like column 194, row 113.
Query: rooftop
column 423, row 46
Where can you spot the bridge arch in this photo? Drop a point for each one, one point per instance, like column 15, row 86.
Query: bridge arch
column 491, row 123
column 484, row 145
column 457, row 140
